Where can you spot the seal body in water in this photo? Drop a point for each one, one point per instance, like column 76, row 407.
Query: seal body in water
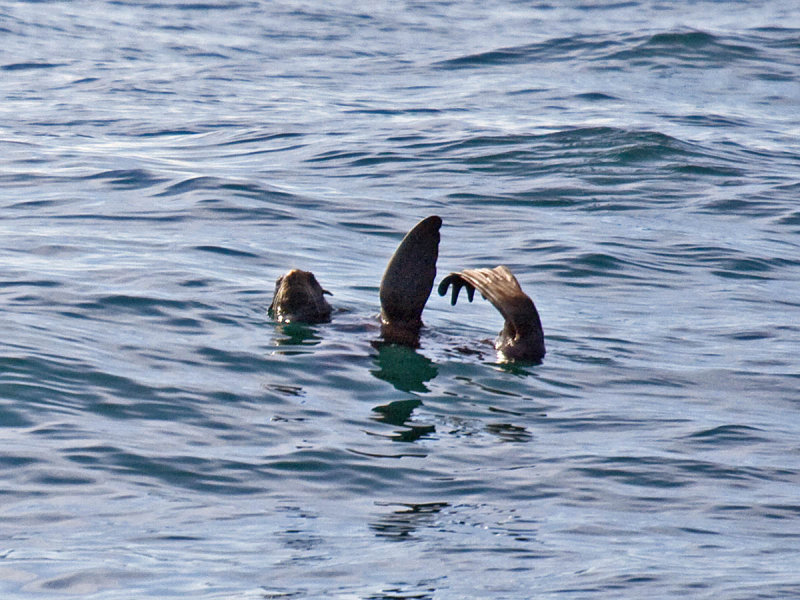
column 405, row 288
column 522, row 338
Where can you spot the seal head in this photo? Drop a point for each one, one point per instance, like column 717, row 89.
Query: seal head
column 408, row 281
column 299, row 298
column 522, row 338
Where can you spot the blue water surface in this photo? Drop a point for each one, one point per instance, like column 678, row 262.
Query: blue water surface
column 636, row 164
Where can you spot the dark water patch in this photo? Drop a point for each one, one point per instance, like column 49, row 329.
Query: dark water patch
column 12, row 461
column 123, row 303
column 595, row 97
column 594, row 423
column 197, row 283
column 52, row 478
column 775, row 76
column 791, row 219
column 337, row 155
column 729, row 263
column 585, row 269
column 394, row 111
column 12, row 418
column 752, row 335
column 744, row 268
column 761, row 591
column 237, row 362
column 526, row 91
column 266, row 194
column 35, row 284
column 31, row 66
column 70, row 386
column 687, row 49
column 693, row 469
column 214, row 476
column 670, row 473
column 709, row 170
column 591, row 152
column 750, row 207
column 710, row 120
column 145, row 217
column 382, row 158
column 226, row 251
column 167, row 133
column 100, row 123
column 87, row 581
column 128, row 179
column 784, row 511
column 724, row 435
column 553, row 50
column 355, row 470
column 192, row 184
column 259, row 138
column 159, row 404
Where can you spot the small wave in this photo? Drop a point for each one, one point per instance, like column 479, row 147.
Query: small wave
column 226, row 251
column 690, row 49
column 727, row 435
column 140, row 305
column 133, row 179
column 30, row 66
column 555, row 50
column 726, row 262
column 596, row 97
column 187, row 6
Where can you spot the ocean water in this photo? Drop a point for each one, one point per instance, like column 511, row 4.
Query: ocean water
column 636, row 164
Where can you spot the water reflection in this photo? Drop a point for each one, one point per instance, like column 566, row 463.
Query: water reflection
column 401, row 524
column 397, row 413
column 508, row 432
column 295, row 334
column 403, row 367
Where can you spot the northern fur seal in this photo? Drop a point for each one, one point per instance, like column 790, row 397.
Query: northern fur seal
column 299, row 297
column 404, row 291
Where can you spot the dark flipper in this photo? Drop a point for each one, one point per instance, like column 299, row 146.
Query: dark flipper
column 408, row 281
column 522, row 337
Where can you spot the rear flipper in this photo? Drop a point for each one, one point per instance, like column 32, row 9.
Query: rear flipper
column 408, row 281
column 522, row 337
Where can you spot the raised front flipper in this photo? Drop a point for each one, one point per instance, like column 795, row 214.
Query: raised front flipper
column 522, row 337
column 408, row 281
